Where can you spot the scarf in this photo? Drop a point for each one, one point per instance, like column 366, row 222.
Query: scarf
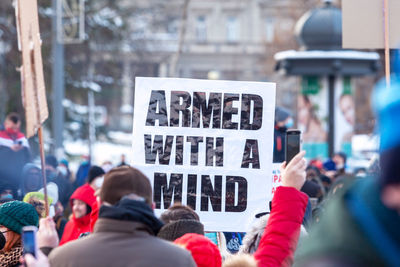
column 11, row 258
column 132, row 210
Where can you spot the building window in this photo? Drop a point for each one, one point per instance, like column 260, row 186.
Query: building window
column 232, row 29
column 173, row 26
column 201, row 29
column 269, row 30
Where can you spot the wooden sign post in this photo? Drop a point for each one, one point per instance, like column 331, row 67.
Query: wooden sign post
column 32, row 80
column 372, row 24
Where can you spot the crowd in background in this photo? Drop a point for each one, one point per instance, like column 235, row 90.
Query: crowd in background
column 103, row 215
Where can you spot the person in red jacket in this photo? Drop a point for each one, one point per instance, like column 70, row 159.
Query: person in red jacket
column 82, row 202
column 279, row 241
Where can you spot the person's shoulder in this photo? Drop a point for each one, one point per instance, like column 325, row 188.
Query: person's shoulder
column 20, row 135
column 166, row 246
column 174, row 254
column 71, row 249
column 64, row 251
column 167, row 249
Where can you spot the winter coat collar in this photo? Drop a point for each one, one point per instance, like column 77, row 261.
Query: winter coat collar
column 117, row 226
column 132, row 211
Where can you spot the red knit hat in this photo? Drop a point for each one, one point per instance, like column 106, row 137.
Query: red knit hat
column 204, row 252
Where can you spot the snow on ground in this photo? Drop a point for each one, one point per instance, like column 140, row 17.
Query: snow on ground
column 120, row 137
column 102, row 151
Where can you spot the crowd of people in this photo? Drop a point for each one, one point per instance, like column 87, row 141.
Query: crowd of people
column 103, row 216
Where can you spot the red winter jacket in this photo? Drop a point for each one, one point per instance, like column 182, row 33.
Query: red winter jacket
column 281, row 234
column 75, row 227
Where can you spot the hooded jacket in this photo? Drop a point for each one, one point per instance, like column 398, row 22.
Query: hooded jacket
column 94, row 215
column 77, row 226
column 29, row 182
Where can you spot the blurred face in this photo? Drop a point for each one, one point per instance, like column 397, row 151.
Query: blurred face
column 303, row 110
column 32, row 182
column 339, row 161
column 391, row 197
column 311, row 174
column 8, row 124
column 79, row 208
column 283, row 123
column 347, row 108
column 59, row 209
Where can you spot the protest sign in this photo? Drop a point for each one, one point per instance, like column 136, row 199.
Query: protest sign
column 32, row 79
column 276, row 177
column 363, row 24
column 206, row 144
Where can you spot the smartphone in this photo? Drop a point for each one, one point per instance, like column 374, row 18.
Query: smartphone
column 29, row 240
column 292, row 147
column 212, row 236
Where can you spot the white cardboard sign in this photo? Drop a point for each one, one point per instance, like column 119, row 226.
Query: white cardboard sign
column 206, row 144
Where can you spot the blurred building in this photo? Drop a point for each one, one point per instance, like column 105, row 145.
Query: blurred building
column 222, row 39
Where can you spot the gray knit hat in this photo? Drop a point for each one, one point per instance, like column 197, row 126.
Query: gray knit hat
column 282, row 114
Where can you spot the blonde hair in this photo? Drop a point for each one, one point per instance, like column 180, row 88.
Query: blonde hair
column 240, row 260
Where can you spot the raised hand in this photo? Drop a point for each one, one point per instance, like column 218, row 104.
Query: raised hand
column 294, row 174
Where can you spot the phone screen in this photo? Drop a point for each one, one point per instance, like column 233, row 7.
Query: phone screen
column 213, row 237
column 292, row 144
column 29, row 242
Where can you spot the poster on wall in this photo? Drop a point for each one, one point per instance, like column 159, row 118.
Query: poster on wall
column 344, row 115
column 312, row 116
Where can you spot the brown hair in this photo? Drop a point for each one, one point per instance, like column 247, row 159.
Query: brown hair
column 14, row 117
column 179, row 212
column 13, row 239
column 240, row 260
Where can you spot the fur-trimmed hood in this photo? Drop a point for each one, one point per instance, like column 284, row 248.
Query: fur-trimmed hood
column 252, row 238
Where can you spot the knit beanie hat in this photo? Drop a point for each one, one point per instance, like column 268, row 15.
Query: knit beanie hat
column 281, row 114
column 173, row 230
column 94, row 172
column 51, row 161
column 122, row 181
column 16, row 214
column 65, row 162
column 204, row 252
